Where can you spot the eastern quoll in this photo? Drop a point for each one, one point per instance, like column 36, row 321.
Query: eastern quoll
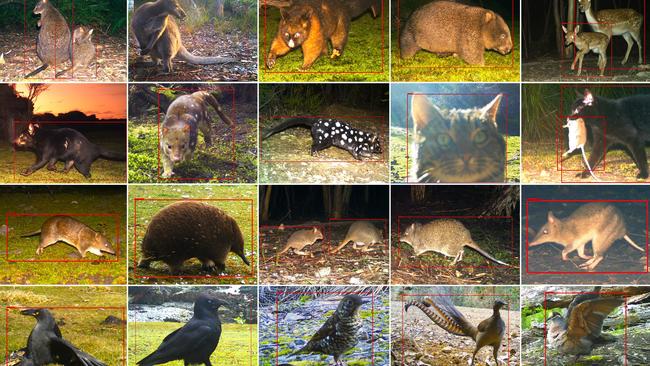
column 326, row 132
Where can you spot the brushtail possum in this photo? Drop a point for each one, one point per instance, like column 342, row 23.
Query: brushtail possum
column 185, row 116
column 599, row 223
column 62, row 144
column 53, row 43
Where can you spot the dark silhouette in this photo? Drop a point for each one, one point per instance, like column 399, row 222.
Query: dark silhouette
column 195, row 341
column 46, row 345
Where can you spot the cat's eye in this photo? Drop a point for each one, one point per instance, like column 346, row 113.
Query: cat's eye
column 443, row 140
column 480, row 137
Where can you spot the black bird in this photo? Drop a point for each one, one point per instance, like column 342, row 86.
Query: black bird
column 195, row 341
column 488, row 333
column 46, row 345
column 339, row 333
column 581, row 329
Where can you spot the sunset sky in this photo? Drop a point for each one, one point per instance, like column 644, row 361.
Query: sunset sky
column 107, row 101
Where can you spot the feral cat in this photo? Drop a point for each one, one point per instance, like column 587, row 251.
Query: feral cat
column 62, row 144
column 627, row 125
column 457, row 145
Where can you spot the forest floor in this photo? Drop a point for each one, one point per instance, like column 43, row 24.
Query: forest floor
column 553, row 69
column 205, row 41
column 417, row 341
column 109, row 65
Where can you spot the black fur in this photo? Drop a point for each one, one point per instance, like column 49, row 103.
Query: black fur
column 627, row 124
column 62, row 144
column 326, row 132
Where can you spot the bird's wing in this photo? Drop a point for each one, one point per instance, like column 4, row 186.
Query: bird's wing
column 483, row 325
column 185, row 340
column 587, row 317
column 69, row 355
column 327, row 329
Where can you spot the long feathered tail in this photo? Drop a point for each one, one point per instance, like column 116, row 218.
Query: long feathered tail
column 445, row 315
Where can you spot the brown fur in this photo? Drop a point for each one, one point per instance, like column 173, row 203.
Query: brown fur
column 185, row 230
column 300, row 239
column 82, row 50
column 53, row 43
column 310, row 25
column 361, row 234
column 445, row 27
column 157, row 34
column 72, row 232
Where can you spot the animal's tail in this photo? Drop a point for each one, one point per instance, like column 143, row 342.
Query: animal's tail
column 112, row 155
column 485, row 254
column 88, row 360
column 284, row 250
column 359, row 7
column 341, row 245
column 587, row 163
column 217, row 107
column 184, row 54
column 31, row 234
column 293, row 122
column 41, row 68
column 627, row 239
column 445, row 315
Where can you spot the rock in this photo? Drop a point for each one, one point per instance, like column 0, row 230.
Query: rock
column 292, row 317
column 113, row 320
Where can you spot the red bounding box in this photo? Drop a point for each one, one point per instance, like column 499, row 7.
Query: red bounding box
column 231, row 90
column 252, row 341
column 384, row 225
column 64, row 123
column 540, row 201
column 408, row 114
column 265, row 228
column 314, row 293
column 109, row 310
column 374, row 119
column 513, row 299
column 561, row 147
column 610, row 293
column 412, row 219
column 14, row 215
column 266, row 47
column 572, row 74
column 512, row 53
column 136, row 239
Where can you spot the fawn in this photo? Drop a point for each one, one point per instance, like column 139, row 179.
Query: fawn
column 585, row 42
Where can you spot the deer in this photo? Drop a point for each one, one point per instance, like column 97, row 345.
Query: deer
column 618, row 22
column 585, row 42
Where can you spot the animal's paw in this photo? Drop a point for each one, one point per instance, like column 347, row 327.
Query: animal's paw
column 26, row 172
column 642, row 176
column 51, row 168
column 335, row 53
column 167, row 174
column 39, row 251
column 270, row 61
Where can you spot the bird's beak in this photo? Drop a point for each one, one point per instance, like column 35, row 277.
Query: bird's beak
column 29, row 312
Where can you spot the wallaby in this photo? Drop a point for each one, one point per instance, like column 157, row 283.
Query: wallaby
column 53, row 43
column 585, row 42
column 157, row 34
column 577, row 140
column 82, row 50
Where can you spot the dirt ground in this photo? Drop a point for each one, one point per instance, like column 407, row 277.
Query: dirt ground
column 552, row 69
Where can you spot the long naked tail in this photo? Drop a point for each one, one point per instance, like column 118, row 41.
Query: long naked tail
column 485, row 254
column 445, row 315
column 632, row 243
column 31, row 233
column 292, row 122
column 185, row 55
column 584, row 156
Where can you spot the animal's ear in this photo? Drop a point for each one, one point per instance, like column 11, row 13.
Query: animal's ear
column 565, row 30
column 576, row 30
column 306, row 15
column 165, row 130
column 424, row 112
column 90, row 33
column 588, row 98
column 283, row 13
column 186, row 128
column 551, row 218
column 491, row 109
column 488, row 16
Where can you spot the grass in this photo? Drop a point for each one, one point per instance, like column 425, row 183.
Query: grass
column 426, row 66
column 364, row 58
column 237, row 345
column 81, row 325
column 81, row 201
column 213, row 164
column 399, row 172
column 238, row 209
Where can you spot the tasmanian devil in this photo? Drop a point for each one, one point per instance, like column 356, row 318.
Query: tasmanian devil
column 62, row 144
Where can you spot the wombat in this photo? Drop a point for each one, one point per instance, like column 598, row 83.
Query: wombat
column 599, row 223
column 445, row 27
column 72, row 232
column 448, row 237
column 361, row 234
column 53, row 44
column 190, row 229
column 178, row 135
column 300, row 239
column 82, row 50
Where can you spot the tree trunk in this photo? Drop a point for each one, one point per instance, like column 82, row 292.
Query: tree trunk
column 570, row 18
column 418, row 193
column 266, row 192
column 558, row 27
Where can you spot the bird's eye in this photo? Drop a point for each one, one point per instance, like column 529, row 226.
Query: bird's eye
column 545, row 231
column 443, row 140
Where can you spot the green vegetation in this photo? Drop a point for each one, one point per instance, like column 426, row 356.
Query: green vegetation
column 69, row 200
column 81, row 324
column 234, row 204
column 237, row 345
column 364, row 58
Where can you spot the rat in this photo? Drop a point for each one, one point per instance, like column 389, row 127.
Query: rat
column 577, row 140
column 599, row 223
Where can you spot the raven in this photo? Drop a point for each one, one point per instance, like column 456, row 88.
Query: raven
column 195, row 341
column 46, row 346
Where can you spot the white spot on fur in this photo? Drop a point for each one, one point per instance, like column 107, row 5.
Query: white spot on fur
column 337, row 124
column 344, row 137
